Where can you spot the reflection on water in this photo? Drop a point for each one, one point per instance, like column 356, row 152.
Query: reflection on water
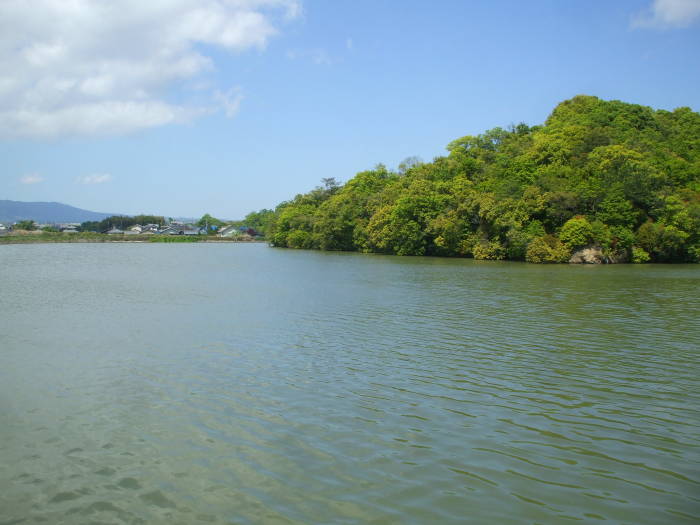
column 243, row 384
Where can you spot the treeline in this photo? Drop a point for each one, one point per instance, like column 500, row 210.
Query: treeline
column 121, row 222
column 620, row 176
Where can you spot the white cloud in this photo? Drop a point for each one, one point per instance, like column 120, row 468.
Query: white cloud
column 97, row 178
column 82, row 67
column 668, row 13
column 32, row 178
column 230, row 101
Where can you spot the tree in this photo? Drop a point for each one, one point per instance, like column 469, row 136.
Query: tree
column 408, row 163
column 27, row 225
column 209, row 222
column 621, row 175
column 261, row 221
column 576, row 232
column 547, row 249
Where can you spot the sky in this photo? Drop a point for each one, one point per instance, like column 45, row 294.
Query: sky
column 186, row 107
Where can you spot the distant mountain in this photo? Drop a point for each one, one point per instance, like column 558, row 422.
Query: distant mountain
column 46, row 212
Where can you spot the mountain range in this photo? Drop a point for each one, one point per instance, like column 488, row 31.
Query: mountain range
column 46, row 212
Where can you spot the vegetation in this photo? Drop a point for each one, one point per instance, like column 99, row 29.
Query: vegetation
column 176, row 238
column 26, row 225
column 210, row 223
column 59, row 237
column 260, row 221
column 51, row 237
column 121, row 222
column 620, row 176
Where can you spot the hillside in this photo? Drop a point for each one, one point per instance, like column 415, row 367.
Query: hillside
column 46, row 212
column 618, row 176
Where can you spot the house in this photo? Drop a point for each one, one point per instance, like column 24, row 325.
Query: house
column 182, row 229
column 193, row 230
column 115, row 231
column 171, row 230
column 4, row 229
column 228, row 231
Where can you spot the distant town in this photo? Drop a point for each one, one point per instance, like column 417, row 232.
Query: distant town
column 133, row 228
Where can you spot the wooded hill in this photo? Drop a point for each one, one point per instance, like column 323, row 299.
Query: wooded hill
column 621, row 176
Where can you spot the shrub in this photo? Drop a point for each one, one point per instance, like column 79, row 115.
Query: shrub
column 576, row 232
column 518, row 240
column 601, row 234
column 694, row 253
column 547, row 249
column 621, row 237
column 489, row 250
column 26, row 225
column 663, row 243
column 298, row 239
column 639, row 255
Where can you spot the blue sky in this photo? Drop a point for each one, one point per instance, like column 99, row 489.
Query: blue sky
column 186, row 107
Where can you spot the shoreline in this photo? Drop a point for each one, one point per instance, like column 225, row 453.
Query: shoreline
column 96, row 238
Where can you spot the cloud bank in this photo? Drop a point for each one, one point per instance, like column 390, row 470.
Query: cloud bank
column 664, row 14
column 82, row 67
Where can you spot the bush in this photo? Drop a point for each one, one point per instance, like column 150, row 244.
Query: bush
column 576, row 232
column 488, row 250
column 601, row 234
column 694, row 253
column 663, row 243
column 639, row 255
column 299, row 239
column 27, row 225
column 547, row 249
column 172, row 238
column 518, row 240
column 621, row 237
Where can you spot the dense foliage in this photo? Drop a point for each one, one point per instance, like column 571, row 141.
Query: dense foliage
column 620, row 176
column 260, row 221
column 27, row 225
column 121, row 222
column 209, row 222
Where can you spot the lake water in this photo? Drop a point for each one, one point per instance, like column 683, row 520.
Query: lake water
column 236, row 383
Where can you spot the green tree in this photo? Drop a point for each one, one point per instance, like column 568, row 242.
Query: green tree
column 209, row 222
column 261, row 221
column 547, row 249
column 576, row 232
column 623, row 176
column 27, row 225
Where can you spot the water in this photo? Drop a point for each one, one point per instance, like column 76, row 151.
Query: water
column 234, row 383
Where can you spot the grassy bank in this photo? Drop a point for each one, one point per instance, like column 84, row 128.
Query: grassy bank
column 53, row 237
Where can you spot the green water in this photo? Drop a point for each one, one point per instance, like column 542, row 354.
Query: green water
column 237, row 383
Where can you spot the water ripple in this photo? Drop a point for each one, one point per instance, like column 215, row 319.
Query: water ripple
column 237, row 383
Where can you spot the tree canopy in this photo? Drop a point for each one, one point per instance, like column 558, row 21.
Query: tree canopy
column 621, row 176
column 28, row 225
column 121, row 222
